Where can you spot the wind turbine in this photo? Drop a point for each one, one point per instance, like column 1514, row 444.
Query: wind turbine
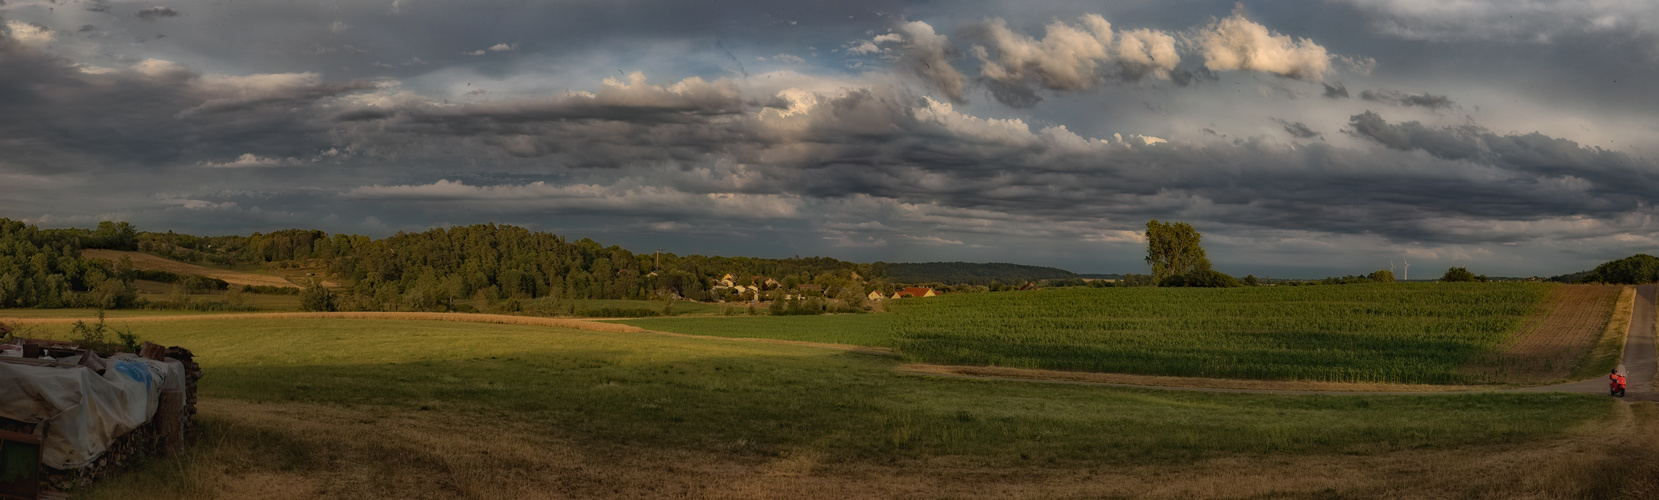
column 1408, row 270
column 1390, row 266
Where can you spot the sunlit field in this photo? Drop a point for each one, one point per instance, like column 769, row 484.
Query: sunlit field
column 622, row 401
column 1406, row 333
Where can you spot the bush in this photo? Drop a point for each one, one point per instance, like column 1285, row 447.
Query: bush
column 316, row 298
column 1202, row 278
column 1458, row 274
column 94, row 337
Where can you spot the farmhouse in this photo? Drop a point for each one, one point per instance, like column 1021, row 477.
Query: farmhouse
column 915, row 292
column 876, row 295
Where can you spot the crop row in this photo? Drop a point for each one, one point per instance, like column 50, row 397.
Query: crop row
column 1409, row 333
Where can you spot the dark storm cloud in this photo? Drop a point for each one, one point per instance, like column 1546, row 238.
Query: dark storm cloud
column 152, row 13
column 1609, row 172
column 885, row 151
column 890, row 152
column 1336, row 91
column 152, row 113
column 1402, row 99
column 1298, row 129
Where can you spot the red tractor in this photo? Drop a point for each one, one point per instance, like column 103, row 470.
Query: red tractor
column 1615, row 384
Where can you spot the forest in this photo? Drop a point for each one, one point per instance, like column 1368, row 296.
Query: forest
column 423, row 271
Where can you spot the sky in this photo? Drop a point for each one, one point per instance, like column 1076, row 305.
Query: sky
column 1302, row 139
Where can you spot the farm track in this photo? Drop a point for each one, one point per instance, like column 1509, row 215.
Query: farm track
column 500, row 319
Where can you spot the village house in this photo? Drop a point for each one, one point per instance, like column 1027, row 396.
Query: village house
column 876, row 295
column 915, row 292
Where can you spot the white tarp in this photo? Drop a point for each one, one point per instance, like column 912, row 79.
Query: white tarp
column 86, row 412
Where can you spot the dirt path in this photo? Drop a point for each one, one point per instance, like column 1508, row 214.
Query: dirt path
column 501, row 319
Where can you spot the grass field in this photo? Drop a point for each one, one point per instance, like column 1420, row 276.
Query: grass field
column 1405, row 333
column 856, row 329
column 402, row 409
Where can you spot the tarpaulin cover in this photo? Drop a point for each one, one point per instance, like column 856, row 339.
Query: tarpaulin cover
column 85, row 412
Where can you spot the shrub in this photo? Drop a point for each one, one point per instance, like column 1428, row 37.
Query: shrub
column 316, row 298
column 1458, row 274
column 1202, row 278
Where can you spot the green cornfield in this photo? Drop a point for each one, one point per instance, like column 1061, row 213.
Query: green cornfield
column 1402, row 333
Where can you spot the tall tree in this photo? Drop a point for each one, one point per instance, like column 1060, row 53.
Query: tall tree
column 1172, row 250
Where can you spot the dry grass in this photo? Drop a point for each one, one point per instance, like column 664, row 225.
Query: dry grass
column 1609, row 349
column 292, row 450
column 147, row 262
column 1549, row 346
column 499, row 319
column 1167, row 381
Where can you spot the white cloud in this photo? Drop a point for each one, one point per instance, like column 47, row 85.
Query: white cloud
column 29, row 34
column 1070, row 57
column 930, row 240
column 1239, row 44
column 338, row 27
column 247, row 160
column 502, row 47
column 789, row 58
column 1504, row 20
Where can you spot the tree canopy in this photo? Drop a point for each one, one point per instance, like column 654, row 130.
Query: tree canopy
column 1460, row 274
column 1633, row 270
column 1172, row 249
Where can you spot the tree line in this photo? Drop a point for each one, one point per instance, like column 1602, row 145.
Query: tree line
column 428, row 270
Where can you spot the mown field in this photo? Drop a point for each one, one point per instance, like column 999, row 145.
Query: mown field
column 1404, row 333
column 423, row 409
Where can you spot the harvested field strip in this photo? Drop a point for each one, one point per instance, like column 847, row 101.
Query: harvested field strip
column 500, row 319
column 1549, row 345
column 147, row 262
column 1609, row 349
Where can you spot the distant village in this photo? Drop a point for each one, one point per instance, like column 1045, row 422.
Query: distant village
column 730, row 288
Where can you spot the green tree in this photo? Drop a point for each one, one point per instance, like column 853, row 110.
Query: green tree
column 1250, row 280
column 1173, row 250
column 1382, row 276
column 1458, row 274
column 1633, row 270
column 316, row 298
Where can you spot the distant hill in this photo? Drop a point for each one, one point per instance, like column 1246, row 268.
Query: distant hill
column 1097, row 276
column 957, row 273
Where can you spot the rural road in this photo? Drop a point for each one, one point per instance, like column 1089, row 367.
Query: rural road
column 1639, row 357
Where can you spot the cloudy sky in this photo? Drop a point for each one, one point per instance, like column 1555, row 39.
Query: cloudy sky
column 1303, row 139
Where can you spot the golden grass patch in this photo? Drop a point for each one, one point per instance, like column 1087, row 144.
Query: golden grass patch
column 1574, row 320
column 146, row 262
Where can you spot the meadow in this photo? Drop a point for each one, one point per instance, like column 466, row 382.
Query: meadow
column 1400, row 333
column 306, row 408
column 856, row 329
